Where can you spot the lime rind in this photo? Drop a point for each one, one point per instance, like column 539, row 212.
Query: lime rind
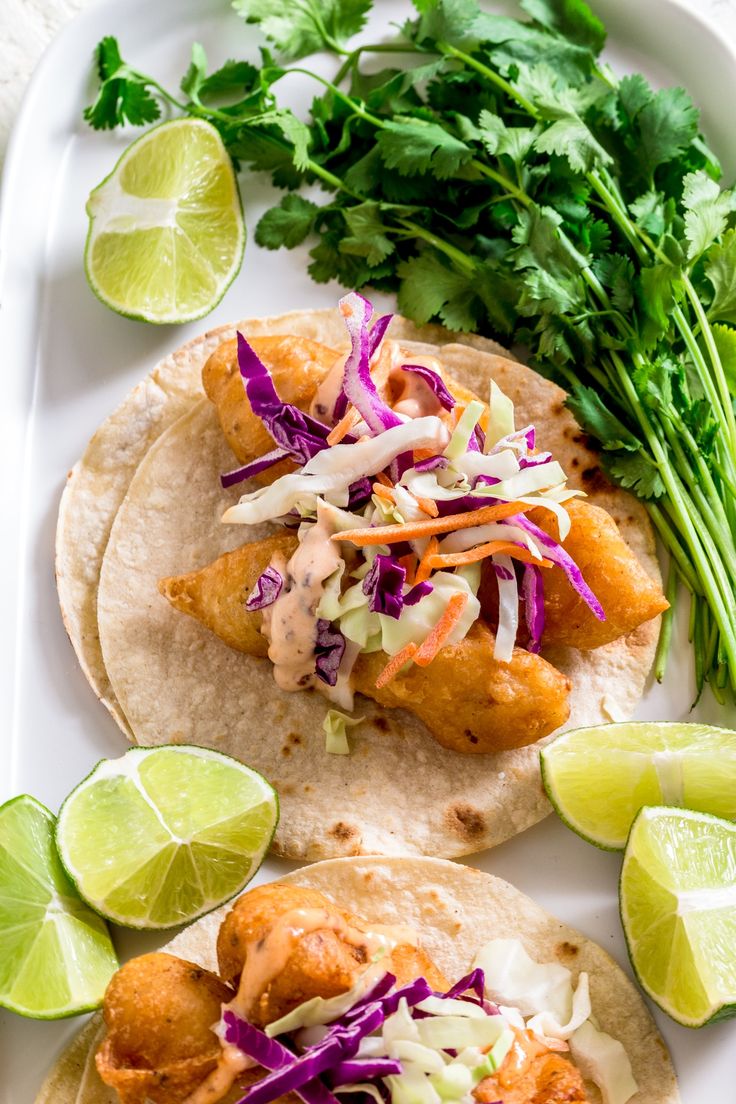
column 57, row 957
column 165, row 226
column 213, row 864
column 677, row 950
column 598, row 778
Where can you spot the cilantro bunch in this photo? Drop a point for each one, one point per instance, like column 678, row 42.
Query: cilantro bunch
column 498, row 177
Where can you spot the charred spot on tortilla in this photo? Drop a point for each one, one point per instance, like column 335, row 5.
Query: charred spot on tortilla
column 466, row 820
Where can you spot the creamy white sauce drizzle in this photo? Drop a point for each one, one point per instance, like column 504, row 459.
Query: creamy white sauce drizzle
column 290, row 623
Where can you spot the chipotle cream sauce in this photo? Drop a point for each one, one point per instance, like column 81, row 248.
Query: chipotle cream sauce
column 267, row 957
column 290, row 623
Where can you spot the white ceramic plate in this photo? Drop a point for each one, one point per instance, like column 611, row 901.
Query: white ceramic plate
column 67, row 362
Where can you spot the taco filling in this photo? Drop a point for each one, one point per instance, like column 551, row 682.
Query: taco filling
column 429, row 550
column 313, row 1001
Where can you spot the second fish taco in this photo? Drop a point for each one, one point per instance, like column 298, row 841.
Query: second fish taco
column 473, row 603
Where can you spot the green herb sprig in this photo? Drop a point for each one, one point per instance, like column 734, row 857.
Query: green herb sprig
column 500, row 178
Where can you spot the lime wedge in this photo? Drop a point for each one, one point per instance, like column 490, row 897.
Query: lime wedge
column 166, row 231
column 163, row 835
column 56, row 957
column 678, row 909
column 598, row 778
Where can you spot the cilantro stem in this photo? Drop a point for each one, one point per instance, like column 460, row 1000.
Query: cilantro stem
column 673, row 546
column 665, row 632
column 491, row 75
column 376, row 48
column 462, row 260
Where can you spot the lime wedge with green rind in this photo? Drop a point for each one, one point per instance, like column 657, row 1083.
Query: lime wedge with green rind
column 598, row 778
column 678, row 909
column 166, row 233
column 163, row 835
column 56, row 957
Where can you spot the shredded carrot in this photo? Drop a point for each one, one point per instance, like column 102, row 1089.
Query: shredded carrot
column 343, row 427
column 441, row 631
column 383, row 478
column 428, row 505
column 424, row 568
column 383, row 492
column 473, row 555
column 415, row 530
column 424, row 454
column 395, row 664
column 409, row 564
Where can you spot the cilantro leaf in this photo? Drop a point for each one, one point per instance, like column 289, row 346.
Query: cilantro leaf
column 706, row 211
column 572, row 19
column 570, row 137
column 592, row 415
column 412, row 145
column 451, row 21
column 367, row 236
column 300, row 27
column 616, row 273
column 634, row 93
column 667, row 124
column 429, row 288
column 288, row 224
column 124, row 95
column 660, row 287
column 636, row 472
column 721, row 271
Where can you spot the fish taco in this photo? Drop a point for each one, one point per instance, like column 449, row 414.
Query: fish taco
column 408, row 548
column 401, row 979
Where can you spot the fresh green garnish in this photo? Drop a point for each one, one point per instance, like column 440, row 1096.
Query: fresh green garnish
column 163, row 835
column 636, row 764
column 56, row 957
column 499, row 177
column 336, row 726
column 678, row 892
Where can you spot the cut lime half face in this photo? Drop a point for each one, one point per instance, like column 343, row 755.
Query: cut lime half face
column 598, row 778
column 166, row 231
column 56, row 957
column 163, row 835
column 678, row 909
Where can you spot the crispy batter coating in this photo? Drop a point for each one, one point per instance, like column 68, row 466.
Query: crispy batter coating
column 297, row 365
column 216, row 594
column 159, row 1011
column 470, row 701
column 531, row 1074
column 323, row 963
column 627, row 593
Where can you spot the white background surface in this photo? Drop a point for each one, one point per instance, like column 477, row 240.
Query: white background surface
column 67, row 362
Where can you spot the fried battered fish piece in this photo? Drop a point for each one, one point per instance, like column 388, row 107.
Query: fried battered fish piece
column 469, row 701
column 297, row 366
column 159, row 1011
column 531, row 1074
column 324, row 961
column 216, row 594
column 629, row 596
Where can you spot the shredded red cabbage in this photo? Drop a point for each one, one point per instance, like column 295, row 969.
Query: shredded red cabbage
column 554, row 551
column 432, row 463
column 532, row 592
column 299, row 434
column 266, row 590
column 500, row 571
column 375, row 337
column 384, row 585
column 417, row 592
column 435, row 383
column 272, row 1055
column 329, row 650
column 255, row 467
column 358, row 384
column 362, row 1069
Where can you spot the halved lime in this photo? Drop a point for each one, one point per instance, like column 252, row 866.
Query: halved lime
column 163, row 835
column 678, row 909
column 598, row 778
column 166, row 232
column 56, row 957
